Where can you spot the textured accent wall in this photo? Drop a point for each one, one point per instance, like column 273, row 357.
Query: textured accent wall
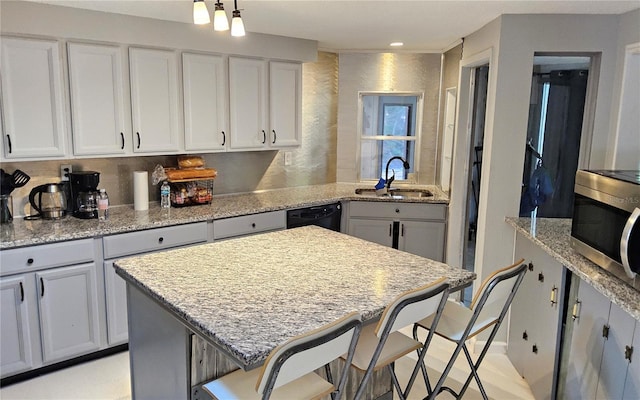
column 387, row 72
column 314, row 162
column 450, row 74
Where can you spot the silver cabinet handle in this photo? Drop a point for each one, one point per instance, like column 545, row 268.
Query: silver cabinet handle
column 554, row 293
column 575, row 313
column 624, row 242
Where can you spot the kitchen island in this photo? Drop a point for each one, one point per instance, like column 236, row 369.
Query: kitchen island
column 245, row 296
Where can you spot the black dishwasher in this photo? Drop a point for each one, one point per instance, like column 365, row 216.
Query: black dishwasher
column 327, row 216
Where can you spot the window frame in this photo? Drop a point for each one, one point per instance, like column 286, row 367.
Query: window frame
column 416, row 130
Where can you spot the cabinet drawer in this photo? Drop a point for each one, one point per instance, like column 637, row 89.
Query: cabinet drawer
column 370, row 209
column 154, row 239
column 248, row 224
column 46, row 256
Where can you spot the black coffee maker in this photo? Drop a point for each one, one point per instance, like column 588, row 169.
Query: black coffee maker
column 84, row 194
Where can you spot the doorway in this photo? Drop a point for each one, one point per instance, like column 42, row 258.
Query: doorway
column 556, row 113
column 479, row 86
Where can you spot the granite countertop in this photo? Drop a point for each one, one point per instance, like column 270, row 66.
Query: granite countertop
column 553, row 235
column 249, row 294
column 125, row 219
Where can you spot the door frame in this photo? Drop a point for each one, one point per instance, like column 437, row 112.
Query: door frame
column 461, row 168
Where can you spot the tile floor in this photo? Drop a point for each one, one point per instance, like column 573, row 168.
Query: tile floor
column 108, row 379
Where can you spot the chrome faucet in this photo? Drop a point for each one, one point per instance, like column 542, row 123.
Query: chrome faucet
column 386, row 174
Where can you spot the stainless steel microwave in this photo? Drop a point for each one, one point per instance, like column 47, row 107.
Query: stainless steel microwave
column 606, row 221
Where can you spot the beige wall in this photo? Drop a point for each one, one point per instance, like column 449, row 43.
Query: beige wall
column 313, row 161
column 387, row 72
column 512, row 50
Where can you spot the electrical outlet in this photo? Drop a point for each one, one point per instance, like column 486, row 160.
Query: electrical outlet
column 287, row 158
column 65, row 170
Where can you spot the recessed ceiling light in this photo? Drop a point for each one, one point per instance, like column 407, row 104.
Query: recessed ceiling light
column 396, row 44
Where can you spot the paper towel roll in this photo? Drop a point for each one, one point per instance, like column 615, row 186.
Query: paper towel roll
column 140, row 190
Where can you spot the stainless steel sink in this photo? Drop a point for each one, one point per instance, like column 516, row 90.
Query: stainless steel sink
column 395, row 193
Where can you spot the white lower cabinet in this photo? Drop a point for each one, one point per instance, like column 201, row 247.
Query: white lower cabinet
column 600, row 363
column 69, row 313
column 535, row 319
column 51, row 305
column 116, row 295
column 17, row 326
column 415, row 228
column 136, row 243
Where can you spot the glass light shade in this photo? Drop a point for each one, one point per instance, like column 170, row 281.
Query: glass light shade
column 220, row 21
column 237, row 26
column 200, row 13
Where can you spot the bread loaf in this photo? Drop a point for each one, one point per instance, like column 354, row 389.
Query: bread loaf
column 187, row 162
column 193, row 173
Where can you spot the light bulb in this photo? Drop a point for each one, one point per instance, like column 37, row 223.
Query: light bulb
column 237, row 26
column 220, row 21
column 200, row 13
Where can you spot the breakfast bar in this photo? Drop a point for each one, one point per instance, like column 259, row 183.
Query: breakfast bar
column 245, row 296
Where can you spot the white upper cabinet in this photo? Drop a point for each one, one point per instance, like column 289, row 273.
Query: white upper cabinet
column 97, row 100
column 154, row 100
column 285, row 103
column 205, row 102
column 248, row 104
column 32, row 99
column 265, row 104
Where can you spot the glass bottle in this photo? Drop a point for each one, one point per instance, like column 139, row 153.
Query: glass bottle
column 103, row 205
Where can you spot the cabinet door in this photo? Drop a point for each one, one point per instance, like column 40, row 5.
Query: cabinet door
column 97, row 99
column 69, row 315
column 32, row 99
column 521, row 322
column 535, row 319
column 248, row 104
column 613, row 369
column 16, row 328
column 116, row 294
column 632, row 384
column 285, row 104
column 205, row 102
column 154, row 100
column 587, row 344
column 373, row 230
column 425, row 239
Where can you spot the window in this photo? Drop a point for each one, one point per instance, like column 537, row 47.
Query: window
column 388, row 125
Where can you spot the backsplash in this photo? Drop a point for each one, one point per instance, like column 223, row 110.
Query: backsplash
column 314, row 162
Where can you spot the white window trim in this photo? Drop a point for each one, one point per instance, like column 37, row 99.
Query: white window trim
column 416, row 138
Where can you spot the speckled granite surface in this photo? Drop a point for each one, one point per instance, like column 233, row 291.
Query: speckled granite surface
column 553, row 236
column 124, row 219
column 249, row 294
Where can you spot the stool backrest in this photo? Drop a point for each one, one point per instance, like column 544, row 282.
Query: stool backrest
column 412, row 306
column 305, row 353
column 494, row 296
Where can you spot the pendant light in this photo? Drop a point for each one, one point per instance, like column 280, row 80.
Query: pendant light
column 220, row 21
column 200, row 13
column 237, row 26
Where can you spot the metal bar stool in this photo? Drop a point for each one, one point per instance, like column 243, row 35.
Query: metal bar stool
column 459, row 323
column 288, row 371
column 381, row 345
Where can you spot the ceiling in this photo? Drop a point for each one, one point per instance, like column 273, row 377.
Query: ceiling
column 361, row 25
